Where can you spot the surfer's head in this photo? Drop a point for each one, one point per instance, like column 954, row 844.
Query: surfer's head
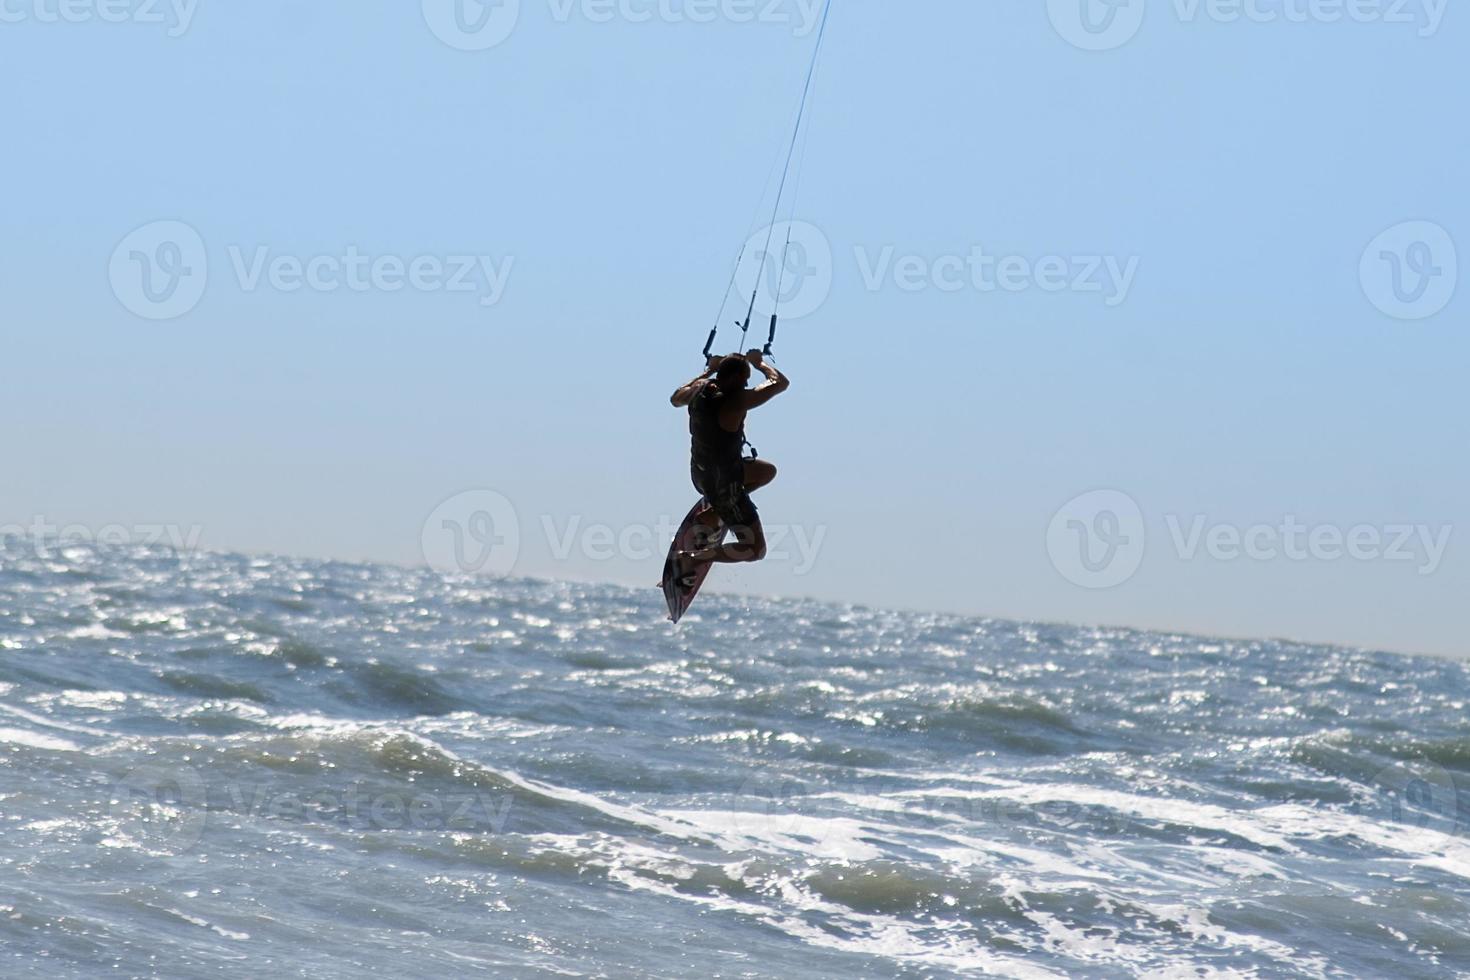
column 733, row 373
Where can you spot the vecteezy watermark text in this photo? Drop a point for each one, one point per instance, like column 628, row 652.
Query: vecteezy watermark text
column 167, row 809
column 359, row 273
column 1099, row 540
column 47, row 537
column 1101, row 25
column 478, row 25
column 982, row 272
column 792, row 544
column 161, row 270
column 1294, row 540
column 802, row 16
column 479, row 532
column 175, row 16
column 358, row 808
column 792, row 266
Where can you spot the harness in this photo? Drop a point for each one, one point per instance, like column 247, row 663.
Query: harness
column 713, row 446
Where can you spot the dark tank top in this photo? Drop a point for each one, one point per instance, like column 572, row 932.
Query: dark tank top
column 713, row 447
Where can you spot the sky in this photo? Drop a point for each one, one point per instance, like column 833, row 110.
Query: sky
column 1130, row 313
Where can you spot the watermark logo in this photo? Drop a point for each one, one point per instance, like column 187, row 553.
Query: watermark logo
column 161, row 809
column 795, row 278
column 1410, row 271
column 357, row 807
column 160, row 271
column 481, row 532
column 472, row 25
column 1096, row 25
column 798, row 277
column 795, row 545
column 1428, row 14
column 472, row 533
column 1097, row 540
column 1418, row 796
column 802, row 16
column 164, row 810
column 479, row 25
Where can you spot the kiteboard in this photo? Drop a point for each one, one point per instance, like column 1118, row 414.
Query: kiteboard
column 693, row 535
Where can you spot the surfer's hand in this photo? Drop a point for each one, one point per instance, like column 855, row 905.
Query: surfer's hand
column 754, row 356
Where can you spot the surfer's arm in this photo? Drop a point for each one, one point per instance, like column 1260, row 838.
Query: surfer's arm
column 775, row 384
column 685, row 394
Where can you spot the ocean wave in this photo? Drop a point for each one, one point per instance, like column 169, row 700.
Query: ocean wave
column 214, row 686
column 379, row 684
column 224, row 757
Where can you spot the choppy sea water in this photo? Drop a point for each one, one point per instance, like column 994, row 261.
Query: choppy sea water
column 232, row 766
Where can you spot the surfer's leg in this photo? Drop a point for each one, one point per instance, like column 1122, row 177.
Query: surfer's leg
column 708, row 517
column 732, row 504
column 749, row 545
column 711, row 530
column 743, row 521
column 758, row 473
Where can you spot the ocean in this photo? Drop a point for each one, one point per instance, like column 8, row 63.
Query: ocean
column 229, row 766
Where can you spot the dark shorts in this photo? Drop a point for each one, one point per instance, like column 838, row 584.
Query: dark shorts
column 724, row 490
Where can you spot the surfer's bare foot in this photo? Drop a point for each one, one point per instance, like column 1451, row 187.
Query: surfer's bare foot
column 687, row 565
column 704, row 539
column 707, row 521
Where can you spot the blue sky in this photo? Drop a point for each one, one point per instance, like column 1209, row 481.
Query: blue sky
column 1200, row 314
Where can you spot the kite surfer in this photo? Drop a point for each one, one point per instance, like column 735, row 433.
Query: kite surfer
column 718, row 401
